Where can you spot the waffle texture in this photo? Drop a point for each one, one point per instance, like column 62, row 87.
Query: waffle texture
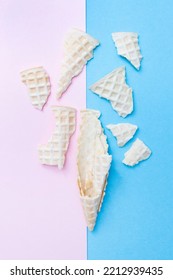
column 38, row 84
column 54, row 152
column 123, row 132
column 78, row 49
column 128, row 47
column 138, row 152
column 90, row 207
column 114, row 88
column 93, row 163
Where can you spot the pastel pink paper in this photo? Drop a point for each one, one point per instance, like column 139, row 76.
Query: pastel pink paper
column 40, row 211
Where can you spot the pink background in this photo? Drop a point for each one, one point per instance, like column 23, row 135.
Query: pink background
column 40, row 212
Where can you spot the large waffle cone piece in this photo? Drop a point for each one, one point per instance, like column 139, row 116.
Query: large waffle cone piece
column 54, row 152
column 123, row 132
column 128, row 47
column 93, row 163
column 138, row 152
column 38, row 84
column 114, row 88
column 78, row 49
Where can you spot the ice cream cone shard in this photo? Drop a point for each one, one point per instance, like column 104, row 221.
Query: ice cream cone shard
column 54, row 152
column 100, row 169
column 90, row 207
column 93, row 163
column 123, row 132
column 114, row 88
column 138, row 152
column 128, row 47
column 78, row 49
column 38, row 84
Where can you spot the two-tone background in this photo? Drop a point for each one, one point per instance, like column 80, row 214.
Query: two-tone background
column 40, row 212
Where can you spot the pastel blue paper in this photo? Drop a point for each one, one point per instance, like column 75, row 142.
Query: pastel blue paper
column 136, row 220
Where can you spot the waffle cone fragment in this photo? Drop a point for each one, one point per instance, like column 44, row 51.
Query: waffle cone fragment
column 78, row 49
column 114, row 88
column 128, row 47
column 54, row 152
column 38, row 83
column 123, row 132
column 138, row 152
column 93, row 163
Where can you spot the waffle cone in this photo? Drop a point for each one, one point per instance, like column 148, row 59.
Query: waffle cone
column 54, row 152
column 93, row 163
column 78, row 49
column 38, row 84
column 123, row 132
column 113, row 87
column 138, row 152
column 128, row 47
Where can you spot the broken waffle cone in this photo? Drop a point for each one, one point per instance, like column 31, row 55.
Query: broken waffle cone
column 138, row 152
column 38, row 84
column 123, row 132
column 93, row 162
column 78, row 49
column 90, row 207
column 113, row 87
column 128, row 47
column 54, row 152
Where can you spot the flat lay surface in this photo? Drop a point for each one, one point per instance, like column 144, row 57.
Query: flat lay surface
column 136, row 217
column 41, row 216
column 40, row 212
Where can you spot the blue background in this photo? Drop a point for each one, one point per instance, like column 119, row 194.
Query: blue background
column 136, row 220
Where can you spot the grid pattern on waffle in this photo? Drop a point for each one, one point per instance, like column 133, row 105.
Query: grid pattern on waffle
column 78, row 50
column 90, row 143
column 101, row 172
column 138, row 152
column 114, row 88
column 128, row 47
column 100, row 169
column 38, row 84
column 90, row 208
column 123, row 132
column 53, row 153
column 93, row 165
